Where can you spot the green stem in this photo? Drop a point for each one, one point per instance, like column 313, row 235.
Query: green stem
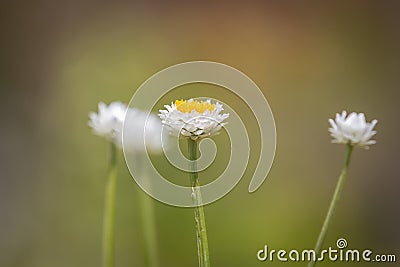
column 148, row 226
column 332, row 206
column 201, row 230
column 109, row 211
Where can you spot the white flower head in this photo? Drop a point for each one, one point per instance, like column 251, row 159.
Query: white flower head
column 138, row 125
column 352, row 129
column 194, row 119
column 109, row 120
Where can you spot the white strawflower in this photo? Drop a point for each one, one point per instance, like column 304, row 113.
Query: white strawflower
column 135, row 127
column 353, row 129
column 194, row 119
column 109, row 120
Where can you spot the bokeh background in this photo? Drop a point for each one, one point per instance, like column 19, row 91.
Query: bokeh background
column 310, row 58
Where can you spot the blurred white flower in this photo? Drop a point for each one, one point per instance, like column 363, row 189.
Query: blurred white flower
column 353, row 129
column 194, row 119
column 109, row 120
column 136, row 127
column 115, row 120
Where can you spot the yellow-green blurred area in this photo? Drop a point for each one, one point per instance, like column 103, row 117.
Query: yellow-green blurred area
column 310, row 59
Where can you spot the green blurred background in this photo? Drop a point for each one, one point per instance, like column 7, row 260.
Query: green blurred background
column 310, row 58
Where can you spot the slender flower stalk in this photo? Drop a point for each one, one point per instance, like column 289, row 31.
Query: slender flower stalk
column 109, row 211
column 108, row 122
column 352, row 130
column 194, row 120
column 149, row 230
column 148, row 222
column 332, row 206
column 201, row 230
column 140, row 126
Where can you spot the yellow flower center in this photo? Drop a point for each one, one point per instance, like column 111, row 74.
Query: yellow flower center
column 188, row 106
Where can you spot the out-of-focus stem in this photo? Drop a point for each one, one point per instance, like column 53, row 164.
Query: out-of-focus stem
column 332, row 206
column 148, row 224
column 109, row 211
